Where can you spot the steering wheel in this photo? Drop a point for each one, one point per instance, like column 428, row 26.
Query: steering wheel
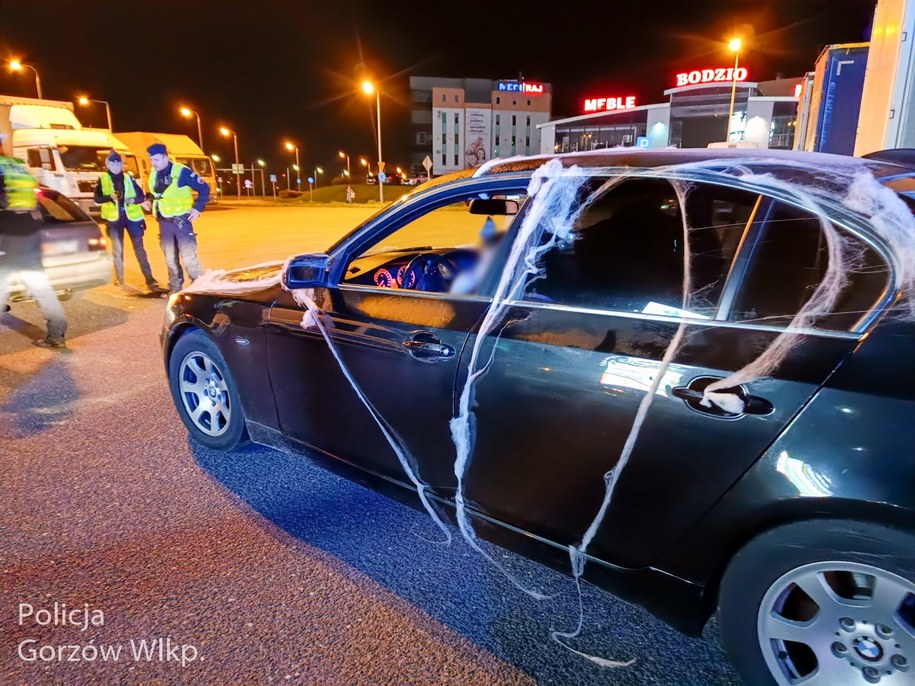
column 429, row 272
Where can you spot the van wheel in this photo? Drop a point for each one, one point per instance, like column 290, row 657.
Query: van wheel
column 205, row 394
column 822, row 603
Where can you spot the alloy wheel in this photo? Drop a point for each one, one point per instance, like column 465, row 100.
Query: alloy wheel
column 839, row 624
column 204, row 393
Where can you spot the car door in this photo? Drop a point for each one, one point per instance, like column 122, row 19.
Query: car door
column 401, row 346
column 581, row 347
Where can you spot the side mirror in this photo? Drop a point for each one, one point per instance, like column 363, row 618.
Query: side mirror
column 307, row 271
column 494, row 206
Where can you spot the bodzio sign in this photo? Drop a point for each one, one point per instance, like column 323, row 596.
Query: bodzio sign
column 718, row 75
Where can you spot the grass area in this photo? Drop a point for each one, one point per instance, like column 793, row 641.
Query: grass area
column 334, row 194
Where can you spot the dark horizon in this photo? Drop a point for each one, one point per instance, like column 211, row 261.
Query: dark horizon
column 282, row 69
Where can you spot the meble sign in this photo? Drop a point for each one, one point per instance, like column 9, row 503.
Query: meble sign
column 520, row 87
column 608, row 104
column 721, row 74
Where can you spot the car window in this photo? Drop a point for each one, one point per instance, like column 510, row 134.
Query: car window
column 626, row 252
column 203, row 167
column 789, row 260
column 447, row 249
column 59, row 208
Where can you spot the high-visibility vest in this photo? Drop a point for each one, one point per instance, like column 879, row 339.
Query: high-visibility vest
column 110, row 208
column 20, row 185
column 175, row 199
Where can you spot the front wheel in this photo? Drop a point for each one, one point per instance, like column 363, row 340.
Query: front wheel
column 205, row 394
column 822, row 603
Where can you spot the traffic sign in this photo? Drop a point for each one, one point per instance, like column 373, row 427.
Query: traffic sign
column 642, row 142
column 311, row 179
column 248, row 183
column 273, row 178
column 380, row 166
column 382, row 177
column 298, row 182
column 427, row 163
column 238, row 168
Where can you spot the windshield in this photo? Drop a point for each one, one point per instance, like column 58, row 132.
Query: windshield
column 130, row 166
column 83, row 157
column 200, row 165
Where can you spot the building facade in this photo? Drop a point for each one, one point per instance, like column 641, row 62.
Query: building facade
column 462, row 123
column 694, row 116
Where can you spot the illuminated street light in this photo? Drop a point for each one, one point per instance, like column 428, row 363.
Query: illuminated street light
column 17, row 66
column 318, row 170
column 187, row 112
column 215, row 157
column 229, row 132
column 84, row 102
column 262, row 163
column 368, row 88
column 290, row 146
column 734, row 46
column 342, row 155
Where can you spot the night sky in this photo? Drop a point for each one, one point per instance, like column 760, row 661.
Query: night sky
column 274, row 69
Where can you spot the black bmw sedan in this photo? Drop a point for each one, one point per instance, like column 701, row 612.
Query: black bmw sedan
column 693, row 369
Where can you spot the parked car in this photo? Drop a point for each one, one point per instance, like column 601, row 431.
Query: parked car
column 74, row 252
column 794, row 518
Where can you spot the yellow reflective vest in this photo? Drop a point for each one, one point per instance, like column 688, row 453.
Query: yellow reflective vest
column 110, row 209
column 174, row 200
column 20, row 185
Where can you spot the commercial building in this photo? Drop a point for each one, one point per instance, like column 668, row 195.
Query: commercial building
column 462, row 123
column 695, row 115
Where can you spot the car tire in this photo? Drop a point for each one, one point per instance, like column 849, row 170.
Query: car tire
column 832, row 600
column 205, row 393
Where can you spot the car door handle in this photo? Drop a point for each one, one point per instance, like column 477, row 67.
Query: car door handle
column 426, row 346
column 693, row 393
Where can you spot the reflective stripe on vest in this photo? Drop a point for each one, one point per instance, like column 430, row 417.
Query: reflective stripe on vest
column 109, row 210
column 20, row 185
column 175, row 199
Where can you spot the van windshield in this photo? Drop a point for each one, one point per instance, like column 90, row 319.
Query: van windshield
column 83, row 157
column 200, row 165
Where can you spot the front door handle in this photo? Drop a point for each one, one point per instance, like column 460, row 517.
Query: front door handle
column 693, row 393
column 426, row 346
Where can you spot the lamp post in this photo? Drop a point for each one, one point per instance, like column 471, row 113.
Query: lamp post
column 343, row 155
column 84, row 102
column 318, row 170
column 290, row 146
column 17, row 66
column 229, row 132
column 186, row 112
column 368, row 88
column 734, row 46
column 365, row 163
column 262, row 164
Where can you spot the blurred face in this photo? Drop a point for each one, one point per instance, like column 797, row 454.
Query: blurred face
column 159, row 161
column 115, row 167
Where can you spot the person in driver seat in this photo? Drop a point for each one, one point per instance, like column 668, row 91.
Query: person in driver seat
column 468, row 280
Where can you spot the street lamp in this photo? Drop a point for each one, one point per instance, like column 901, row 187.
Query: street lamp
column 290, row 146
column 368, row 88
column 343, row 155
column 17, row 66
column 84, row 101
column 216, row 158
column 734, row 46
column 261, row 163
column 229, row 132
column 318, row 170
column 187, row 112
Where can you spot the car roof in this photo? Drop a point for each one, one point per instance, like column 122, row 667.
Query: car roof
column 806, row 168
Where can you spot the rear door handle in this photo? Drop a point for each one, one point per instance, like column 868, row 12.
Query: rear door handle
column 426, row 346
column 693, row 393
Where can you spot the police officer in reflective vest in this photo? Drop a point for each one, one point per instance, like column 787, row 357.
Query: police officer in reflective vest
column 171, row 198
column 20, row 247
column 120, row 199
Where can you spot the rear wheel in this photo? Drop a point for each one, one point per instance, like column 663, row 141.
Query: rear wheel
column 822, row 603
column 205, row 394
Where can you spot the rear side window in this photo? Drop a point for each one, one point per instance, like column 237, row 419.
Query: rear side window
column 626, row 252
column 59, row 208
column 789, row 260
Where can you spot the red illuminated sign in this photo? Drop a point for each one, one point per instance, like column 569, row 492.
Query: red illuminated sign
column 532, row 87
column 608, row 104
column 721, row 74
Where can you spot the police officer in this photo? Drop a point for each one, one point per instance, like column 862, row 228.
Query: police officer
column 120, row 199
column 20, row 243
column 171, row 198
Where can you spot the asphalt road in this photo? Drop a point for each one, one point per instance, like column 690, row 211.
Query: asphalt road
column 266, row 568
